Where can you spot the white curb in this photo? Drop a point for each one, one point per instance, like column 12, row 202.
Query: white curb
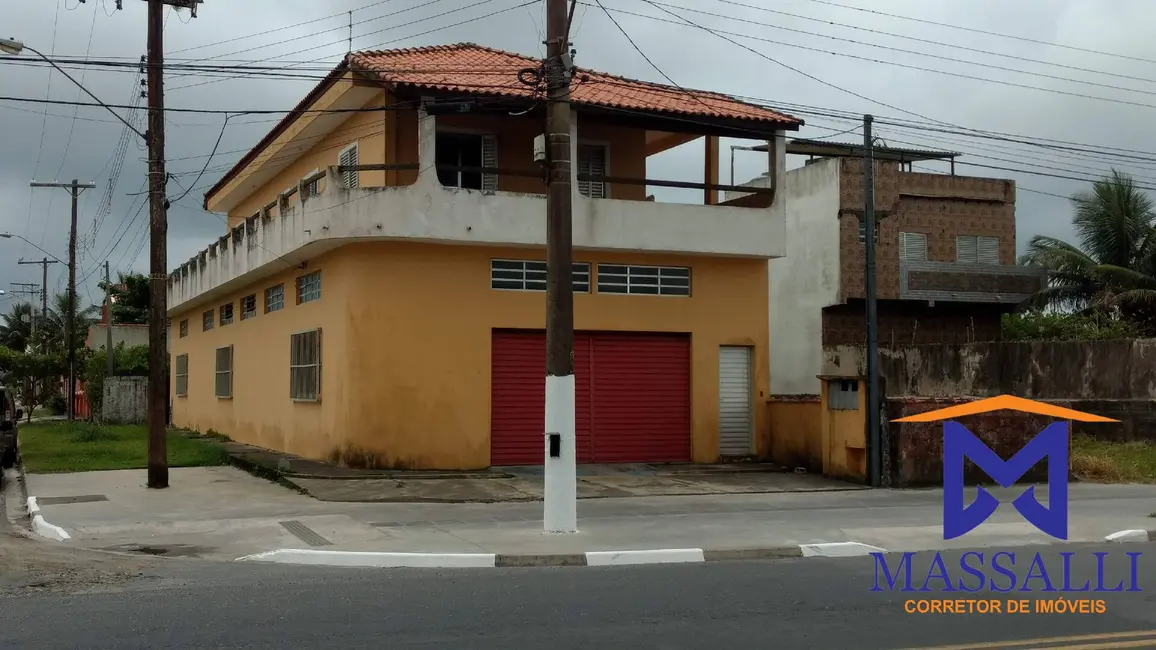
column 373, row 559
column 656, row 556
column 42, row 527
column 1128, row 536
column 839, row 549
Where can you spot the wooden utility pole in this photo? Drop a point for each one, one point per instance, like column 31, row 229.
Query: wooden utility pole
column 158, row 464
column 74, row 188
column 43, row 291
column 110, row 365
column 560, row 512
column 874, row 439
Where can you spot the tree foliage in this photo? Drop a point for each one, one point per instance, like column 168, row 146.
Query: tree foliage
column 1112, row 271
column 1039, row 326
column 127, row 362
column 33, row 376
column 130, row 298
column 16, row 332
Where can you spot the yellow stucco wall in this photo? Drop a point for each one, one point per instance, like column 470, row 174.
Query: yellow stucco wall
column 844, row 437
column 260, row 411
column 414, row 323
column 796, row 431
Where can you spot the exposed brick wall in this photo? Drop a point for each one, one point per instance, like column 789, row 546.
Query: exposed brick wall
column 936, row 205
column 913, row 322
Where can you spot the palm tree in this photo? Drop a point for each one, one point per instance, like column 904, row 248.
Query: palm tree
column 16, row 332
column 1113, row 269
column 56, row 323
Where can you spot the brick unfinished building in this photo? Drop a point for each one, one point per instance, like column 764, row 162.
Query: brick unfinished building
column 945, row 258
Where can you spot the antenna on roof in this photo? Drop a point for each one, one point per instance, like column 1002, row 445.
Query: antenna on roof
column 350, row 33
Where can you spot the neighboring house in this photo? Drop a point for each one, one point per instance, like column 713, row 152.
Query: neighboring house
column 945, row 261
column 130, row 334
column 380, row 299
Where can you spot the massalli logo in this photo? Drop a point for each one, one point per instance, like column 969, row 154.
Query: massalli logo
column 998, row 571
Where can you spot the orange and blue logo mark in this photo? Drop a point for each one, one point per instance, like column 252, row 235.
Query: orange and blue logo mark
column 1001, row 571
column 960, row 444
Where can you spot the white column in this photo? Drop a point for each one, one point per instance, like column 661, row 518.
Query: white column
column 426, row 146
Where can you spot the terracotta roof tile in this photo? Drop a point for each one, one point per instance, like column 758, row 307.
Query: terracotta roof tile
column 477, row 70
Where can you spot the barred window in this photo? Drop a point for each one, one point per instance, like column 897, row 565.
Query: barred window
column 226, row 314
column 224, row 379
column 309, row 288
column 305, row 366
column 184, row 328
column 249, row 306
column 274, row 298
column 530, row 275
column 207, row 320
column 644, row 280
column 182, row 375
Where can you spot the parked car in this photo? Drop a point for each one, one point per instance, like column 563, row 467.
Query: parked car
column 9, row 420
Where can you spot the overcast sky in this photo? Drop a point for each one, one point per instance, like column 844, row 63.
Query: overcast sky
column 82, row 142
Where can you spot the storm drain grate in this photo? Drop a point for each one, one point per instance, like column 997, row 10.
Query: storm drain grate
column 59, row 501
column 305, row 533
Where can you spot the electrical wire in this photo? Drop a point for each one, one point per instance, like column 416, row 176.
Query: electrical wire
column 981, row 31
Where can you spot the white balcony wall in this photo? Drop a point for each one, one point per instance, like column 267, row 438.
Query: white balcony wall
column 428, row 212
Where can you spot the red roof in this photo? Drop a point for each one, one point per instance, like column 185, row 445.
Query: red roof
column 472, row 69
column 476, row 70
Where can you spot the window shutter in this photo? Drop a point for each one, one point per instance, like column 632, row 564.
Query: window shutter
column 597, row 168
column 966, row 249
column 913, row 246
column 489, row 159
column 348, row 158
column 583, row 168
column 987, row 250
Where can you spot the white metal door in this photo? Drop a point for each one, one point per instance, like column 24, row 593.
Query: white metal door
column 735, row 425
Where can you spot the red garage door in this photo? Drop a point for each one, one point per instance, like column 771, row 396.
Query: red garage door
column 632, row 397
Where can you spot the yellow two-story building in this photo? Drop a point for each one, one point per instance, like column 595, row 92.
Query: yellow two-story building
column 379, row 299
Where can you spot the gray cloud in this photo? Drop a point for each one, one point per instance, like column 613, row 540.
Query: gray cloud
column 83, row 148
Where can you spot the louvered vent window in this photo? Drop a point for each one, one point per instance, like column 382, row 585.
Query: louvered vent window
column 913, row 246
column 973, row 249
column 592, row 160
column 350, row 178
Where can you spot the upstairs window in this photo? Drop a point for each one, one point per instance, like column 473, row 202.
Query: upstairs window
column 350, row 178
column 913, row 246
column 226, row 314
column 972, row 249
column 184, row 328
column 592, row 160
column 644, row 280
column 467, row 150
column 309, row 288
column 274, row 298
column 863, row 232
column 249, row 306
column 530, row 275
column 207, row 320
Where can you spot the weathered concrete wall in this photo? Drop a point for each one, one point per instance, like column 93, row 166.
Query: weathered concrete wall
column 125, row 400
column 129, row 335
column 1066, row 370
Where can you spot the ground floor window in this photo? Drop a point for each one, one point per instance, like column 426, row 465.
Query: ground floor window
column 305, row 366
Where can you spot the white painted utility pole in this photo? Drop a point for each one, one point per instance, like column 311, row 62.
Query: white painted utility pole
column 560, row 484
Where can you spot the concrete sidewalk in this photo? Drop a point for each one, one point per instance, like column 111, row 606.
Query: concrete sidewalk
column 328, row 482
column 225, row 513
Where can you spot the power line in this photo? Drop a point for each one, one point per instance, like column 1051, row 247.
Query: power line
column 720, row 33
column 915, row 52
column 981, row 31
column 916, row 39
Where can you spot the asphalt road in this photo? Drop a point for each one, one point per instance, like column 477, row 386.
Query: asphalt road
column 803, row 603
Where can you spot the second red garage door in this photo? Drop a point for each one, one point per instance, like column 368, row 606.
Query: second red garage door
column 632, row 392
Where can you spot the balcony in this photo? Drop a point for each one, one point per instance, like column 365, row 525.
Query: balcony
column 321, row 214
column 958, row 282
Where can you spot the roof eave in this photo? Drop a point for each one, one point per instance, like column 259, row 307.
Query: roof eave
column 270, row 137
